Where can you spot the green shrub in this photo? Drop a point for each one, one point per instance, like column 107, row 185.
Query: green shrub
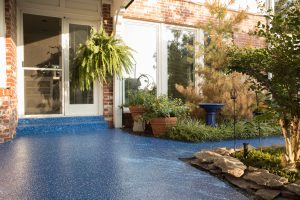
column 270, row 159
column 191, row 130
column 139, row 97
column 163, row 106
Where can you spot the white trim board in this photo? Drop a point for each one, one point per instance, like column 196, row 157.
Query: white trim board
column 72, row 9
column 2, row 45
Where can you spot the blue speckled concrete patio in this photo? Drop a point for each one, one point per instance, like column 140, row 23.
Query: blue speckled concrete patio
column 107, row 164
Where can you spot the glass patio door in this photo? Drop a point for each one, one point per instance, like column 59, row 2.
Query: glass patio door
column 42, row 65
column 78, row 102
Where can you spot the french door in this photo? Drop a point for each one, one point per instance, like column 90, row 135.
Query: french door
column 77, row 102
column 50, row 45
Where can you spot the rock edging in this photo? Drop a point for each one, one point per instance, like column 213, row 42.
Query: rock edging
column 258, row 182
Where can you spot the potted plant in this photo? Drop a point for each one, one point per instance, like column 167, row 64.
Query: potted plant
column 136, row 101
column 162, row 113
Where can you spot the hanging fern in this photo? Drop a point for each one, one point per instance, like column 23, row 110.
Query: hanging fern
column 100, row 57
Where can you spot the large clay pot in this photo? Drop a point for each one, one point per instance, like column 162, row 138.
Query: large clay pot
column 160, row 125
column 137, row 116
column 136, row 111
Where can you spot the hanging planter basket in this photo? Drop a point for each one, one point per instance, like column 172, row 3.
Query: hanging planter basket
column 102, row 56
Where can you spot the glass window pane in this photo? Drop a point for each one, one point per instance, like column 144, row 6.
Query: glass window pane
column 180, row 59
column 142, row 38
column 42, row 88
column 42, row 92
column 78, row 35
column 42, row 41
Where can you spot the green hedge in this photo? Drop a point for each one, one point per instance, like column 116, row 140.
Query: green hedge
column 270, row 159
column 196, row 131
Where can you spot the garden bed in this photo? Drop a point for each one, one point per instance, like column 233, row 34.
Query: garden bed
column 259, row 182
column 197, row 131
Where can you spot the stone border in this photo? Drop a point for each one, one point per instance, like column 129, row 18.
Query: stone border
column 259, row 183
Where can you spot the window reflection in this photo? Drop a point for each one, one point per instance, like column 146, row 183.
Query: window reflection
column 180, row 59
column 42, row 65
column 78, row 35
column 142, row 38
column 42, row 92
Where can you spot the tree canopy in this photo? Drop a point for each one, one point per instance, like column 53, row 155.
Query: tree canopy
column 276, row 70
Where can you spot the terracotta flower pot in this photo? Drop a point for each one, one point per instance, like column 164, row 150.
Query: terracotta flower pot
column 160, row 125
column 137, row 116
column 136, row 111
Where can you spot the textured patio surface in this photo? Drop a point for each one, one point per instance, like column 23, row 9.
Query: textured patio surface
column 107, row 164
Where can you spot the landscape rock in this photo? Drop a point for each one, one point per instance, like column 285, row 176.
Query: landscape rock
column 223, row 151
column 267, row 194
column 258, row 182
column 205, row 166
column 207, row 156
column 230, row 166
column 297, row 182
column 282, row 198
column 254, row 169
column 293, row 187
column 289, row 195
column 266, row 179
column 241, row 183
column 216, row 171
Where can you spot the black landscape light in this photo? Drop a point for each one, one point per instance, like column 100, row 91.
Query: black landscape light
column 233, row 96
column 246, row 149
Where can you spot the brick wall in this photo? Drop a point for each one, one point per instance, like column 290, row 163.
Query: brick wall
column 8, row 97
column 108, row 87
column 177, row 12
column 185, row 13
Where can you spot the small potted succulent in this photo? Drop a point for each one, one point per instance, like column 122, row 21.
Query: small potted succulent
column 162, row 113
column 136, row 101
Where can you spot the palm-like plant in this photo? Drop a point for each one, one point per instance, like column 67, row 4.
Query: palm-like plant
column 100, row 57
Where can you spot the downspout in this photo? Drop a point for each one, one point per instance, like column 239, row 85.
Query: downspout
column 118, row 83
column 119, row 7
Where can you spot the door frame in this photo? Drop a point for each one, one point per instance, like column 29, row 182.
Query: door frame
column 20, row 59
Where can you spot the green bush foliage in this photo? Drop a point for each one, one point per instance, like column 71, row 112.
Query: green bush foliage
column 270, row 159
column 139, row 97
column 276, row 71
column 196, row 131
column 163, row 106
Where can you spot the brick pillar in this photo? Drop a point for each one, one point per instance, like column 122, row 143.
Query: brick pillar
column 8, row 96
column 108, row 87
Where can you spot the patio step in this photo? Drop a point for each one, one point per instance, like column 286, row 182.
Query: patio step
column 60, row 124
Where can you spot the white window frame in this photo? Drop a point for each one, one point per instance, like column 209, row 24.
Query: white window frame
column 162, row 51
column 198, row 40
column 3, row 66
column 162, row 62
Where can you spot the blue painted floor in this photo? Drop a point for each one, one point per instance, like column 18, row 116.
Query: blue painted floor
column 107, row 164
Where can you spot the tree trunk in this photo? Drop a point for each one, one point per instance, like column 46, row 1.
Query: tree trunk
column 291, row 134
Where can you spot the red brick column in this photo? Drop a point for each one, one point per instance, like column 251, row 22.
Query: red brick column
column 8, row 96
column 108, row 87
